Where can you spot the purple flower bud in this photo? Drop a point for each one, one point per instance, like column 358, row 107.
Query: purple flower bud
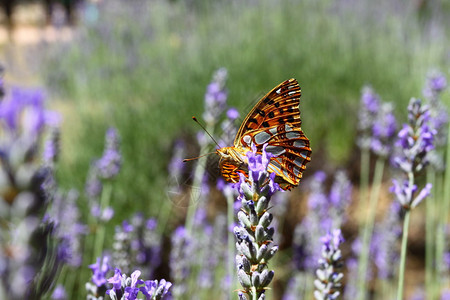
column 59, row 293
column 232, row 113
column 99, row 270
column 116, row 280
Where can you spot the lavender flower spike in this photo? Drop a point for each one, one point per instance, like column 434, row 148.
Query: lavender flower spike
column 255, row 245
column 109, row 164
column 370, row 103
column 216, row 97
column 328, row 277
column 415, row 141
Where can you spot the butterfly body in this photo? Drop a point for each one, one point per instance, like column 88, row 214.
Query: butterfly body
column 232, row 161
column 275, row 121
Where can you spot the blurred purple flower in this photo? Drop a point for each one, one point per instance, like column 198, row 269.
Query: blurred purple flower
column 435, row 84
column 176, row 165
column 377, row 124
column 99, row 270
column 59, row 293
column 94, row 186
column 137, row 244
column 183, row 249
column 107, row 214
column 33, row 254
column 232, row 113
column 109, row 164
column 418, row 294
column 445, row 294
column 51, row 147
column 65, row 214
column 295, row 287
column 384, row 240
column 326, row 212
column 329, row 278
column 215, row 97
column 369, row 107
column 383, row 130
column 339, row 198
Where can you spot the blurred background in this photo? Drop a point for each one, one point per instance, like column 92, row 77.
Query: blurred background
column 143, row 68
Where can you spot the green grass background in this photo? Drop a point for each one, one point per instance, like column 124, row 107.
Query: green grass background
column 144, row 67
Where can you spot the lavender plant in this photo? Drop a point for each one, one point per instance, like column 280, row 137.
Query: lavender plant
column 435, row 85
column 255, row 245
column 30, row 257
column 215, row 104
column 129, row 288
column 377, row 131
column 99, row 188
column 137, row 244
column 384, row 250
column 436, row 208
column 329, row 278
column 415, row 141
column 196, row 258
column 326, row 211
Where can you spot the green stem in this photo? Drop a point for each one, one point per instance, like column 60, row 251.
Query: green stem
column 440, row 240
column 445, row 204
column 100, row 233
column 401, row 274
column 70, row 277
column 429, row 235
column 370, row 220
column 231, row 242
column 254, row 293
column 364, row 176
column 363, row 186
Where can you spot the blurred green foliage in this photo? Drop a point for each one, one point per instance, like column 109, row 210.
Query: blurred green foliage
column 144, row 67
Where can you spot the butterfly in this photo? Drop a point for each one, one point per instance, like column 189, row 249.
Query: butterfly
column 275, row 121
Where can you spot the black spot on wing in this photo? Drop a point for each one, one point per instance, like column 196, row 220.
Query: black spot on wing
column 271, row 114
column 253, row 120
column 269, row 101
column 265, row 124
column 260, row 112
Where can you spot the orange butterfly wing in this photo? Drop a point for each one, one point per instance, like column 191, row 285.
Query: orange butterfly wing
column 279, row 106
column 274, row 120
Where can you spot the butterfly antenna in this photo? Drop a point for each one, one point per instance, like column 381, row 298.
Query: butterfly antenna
column 203, row 127
column 194, row 158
